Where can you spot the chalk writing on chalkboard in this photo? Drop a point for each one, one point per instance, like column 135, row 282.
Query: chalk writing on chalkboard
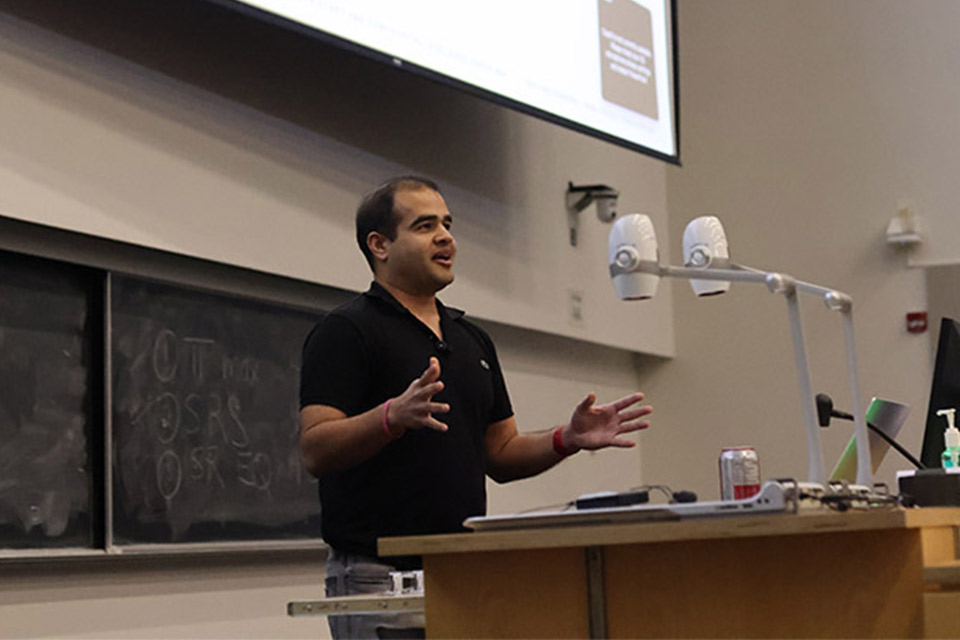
column 48, row 400
column 205, row 417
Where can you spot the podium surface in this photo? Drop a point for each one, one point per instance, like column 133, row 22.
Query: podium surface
column 878, row 573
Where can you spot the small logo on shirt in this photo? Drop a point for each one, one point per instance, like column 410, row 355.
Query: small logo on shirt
column 484, row 364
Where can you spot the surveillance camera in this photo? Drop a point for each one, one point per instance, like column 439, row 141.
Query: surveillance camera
column 606, row 206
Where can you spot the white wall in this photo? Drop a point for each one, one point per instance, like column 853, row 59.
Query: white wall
column 900, row 56
column 803, row 125
column 98, row 144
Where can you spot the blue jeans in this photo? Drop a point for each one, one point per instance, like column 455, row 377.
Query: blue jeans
column 351, row 574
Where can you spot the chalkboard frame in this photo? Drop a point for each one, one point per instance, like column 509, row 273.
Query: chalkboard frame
column 111, row 543
column 100, row 442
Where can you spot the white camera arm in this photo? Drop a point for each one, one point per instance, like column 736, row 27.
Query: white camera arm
column 626, row 260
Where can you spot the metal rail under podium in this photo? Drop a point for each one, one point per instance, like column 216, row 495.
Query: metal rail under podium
column 357, row 605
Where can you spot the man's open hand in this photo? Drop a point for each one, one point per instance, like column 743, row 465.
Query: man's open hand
column 414, row 408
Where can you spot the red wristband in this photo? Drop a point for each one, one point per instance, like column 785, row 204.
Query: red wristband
column 386, row 423
column 558, row 445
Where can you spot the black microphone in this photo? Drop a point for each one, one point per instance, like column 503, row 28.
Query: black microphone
column 825, row 411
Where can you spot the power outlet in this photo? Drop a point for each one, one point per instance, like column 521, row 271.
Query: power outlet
column 575, row 308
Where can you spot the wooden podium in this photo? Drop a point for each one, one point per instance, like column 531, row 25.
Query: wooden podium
column 882, row 573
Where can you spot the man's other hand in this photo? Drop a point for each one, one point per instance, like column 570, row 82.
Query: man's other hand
column 595, row 426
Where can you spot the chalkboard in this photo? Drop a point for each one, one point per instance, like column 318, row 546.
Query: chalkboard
column 50, row 402
column 205, row 417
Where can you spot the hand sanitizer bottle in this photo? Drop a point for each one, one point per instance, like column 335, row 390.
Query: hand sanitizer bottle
column 951, row 440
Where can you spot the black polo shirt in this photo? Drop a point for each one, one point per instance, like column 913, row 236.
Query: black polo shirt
column 426, row 481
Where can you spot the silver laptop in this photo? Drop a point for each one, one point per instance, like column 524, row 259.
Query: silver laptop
column 774, row 497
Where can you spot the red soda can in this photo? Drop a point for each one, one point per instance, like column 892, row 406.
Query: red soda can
column 739, row 473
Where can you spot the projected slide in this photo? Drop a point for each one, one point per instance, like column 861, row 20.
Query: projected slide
column 604, row 65
column 626, row 48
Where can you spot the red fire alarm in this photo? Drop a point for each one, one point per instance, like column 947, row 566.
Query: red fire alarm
column 917, row 322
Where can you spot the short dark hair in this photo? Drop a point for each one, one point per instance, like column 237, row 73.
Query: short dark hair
column 376, row 211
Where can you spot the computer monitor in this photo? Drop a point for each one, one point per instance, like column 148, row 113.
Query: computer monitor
column 944, row 391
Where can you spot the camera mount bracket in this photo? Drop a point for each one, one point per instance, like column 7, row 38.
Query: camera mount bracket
column 579, row 197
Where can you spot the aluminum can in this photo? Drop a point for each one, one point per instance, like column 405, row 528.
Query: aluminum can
column 739, row 473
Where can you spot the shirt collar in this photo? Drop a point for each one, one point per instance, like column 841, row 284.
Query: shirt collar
column 378, row 292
